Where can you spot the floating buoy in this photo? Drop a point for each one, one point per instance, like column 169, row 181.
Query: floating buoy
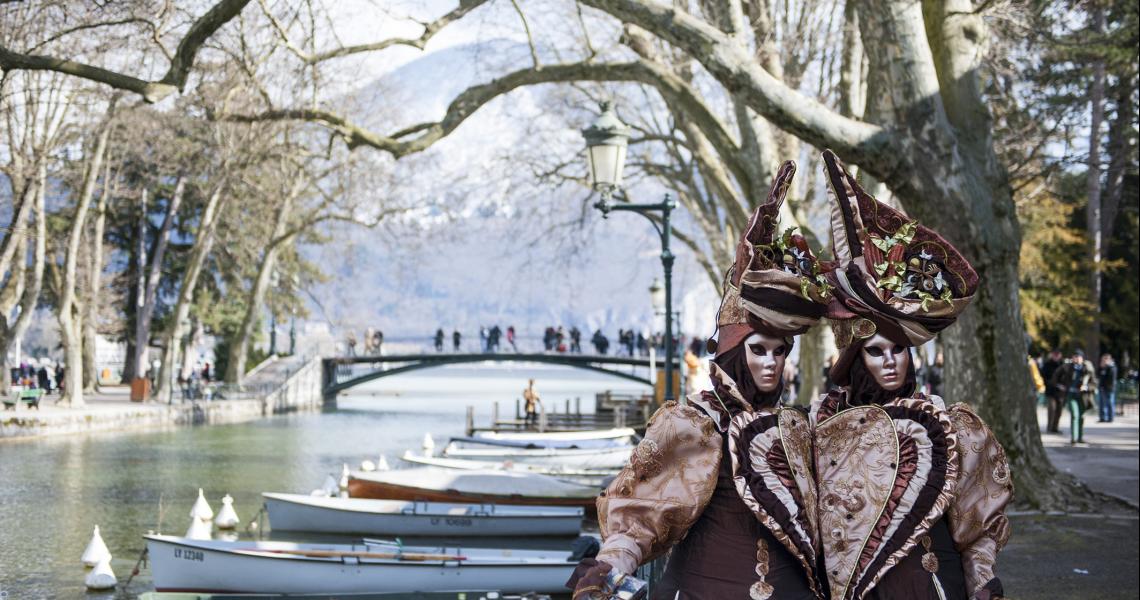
column 428, row 445
column 201, row 509
column 199, row 529
column 328, row 488
column 382, row 464
column 227, row 517
column 96, row 550
column 343, row 483
column 101, row 577
column 367, row 465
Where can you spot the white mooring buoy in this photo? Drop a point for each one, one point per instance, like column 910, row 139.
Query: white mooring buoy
column 201, row 509
column 382, row 464
column 96, row 550
column 101, row 577
column 227, row 517
column 367, row 465
column 199, row 529
column 343, row 483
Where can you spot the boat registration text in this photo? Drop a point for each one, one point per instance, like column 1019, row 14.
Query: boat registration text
column 188, row 554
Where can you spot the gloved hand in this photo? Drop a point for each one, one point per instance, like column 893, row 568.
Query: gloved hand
column 589, row 580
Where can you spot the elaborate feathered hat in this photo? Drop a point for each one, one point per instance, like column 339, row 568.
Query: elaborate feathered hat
column 776, row 285
column 894, row 276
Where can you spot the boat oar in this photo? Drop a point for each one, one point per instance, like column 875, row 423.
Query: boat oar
column 415, row 556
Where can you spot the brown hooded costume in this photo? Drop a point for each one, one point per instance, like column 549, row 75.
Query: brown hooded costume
column 912, row 494
column 683, row 489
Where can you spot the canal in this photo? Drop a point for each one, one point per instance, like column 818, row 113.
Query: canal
column 53, row 491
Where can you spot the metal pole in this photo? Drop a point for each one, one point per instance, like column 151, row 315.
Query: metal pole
column 667, row 262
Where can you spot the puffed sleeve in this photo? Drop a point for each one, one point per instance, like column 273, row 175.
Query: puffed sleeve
column 671, row 475
column 977, row 516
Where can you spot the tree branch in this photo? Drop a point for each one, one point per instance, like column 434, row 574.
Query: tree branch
column 151, row 91
column 738, row 72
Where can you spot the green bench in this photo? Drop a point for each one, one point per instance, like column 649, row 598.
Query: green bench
column 29, row 397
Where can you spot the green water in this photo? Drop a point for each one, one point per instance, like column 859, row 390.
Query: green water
column 53, row 491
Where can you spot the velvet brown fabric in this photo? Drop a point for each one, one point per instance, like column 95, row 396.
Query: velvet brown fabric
column 717, row 560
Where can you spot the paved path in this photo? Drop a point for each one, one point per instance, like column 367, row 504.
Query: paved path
column 1108, row 462
column 1068, row 557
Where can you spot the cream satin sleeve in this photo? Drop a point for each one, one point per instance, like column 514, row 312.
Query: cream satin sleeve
column 977, row 516
column 658, row 496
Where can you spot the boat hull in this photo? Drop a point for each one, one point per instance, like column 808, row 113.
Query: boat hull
column 362, row 488
column 180, row 565
column 600, row 458
column 291, row 512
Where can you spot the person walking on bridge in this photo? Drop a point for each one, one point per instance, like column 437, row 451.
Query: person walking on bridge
column 456, row 339
column 532, row 400
column 511, row 338
column 439, row 340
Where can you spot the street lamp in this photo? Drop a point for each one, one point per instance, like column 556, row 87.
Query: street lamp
column 657, row 297
column 606, row 142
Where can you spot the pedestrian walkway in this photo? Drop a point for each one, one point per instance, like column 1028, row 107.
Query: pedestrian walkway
column 1070, row 556
column 111, row 408
column 1108, row 461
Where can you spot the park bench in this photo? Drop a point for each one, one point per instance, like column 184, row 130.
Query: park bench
column 30, row 397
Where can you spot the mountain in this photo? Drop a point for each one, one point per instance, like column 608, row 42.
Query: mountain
column 505, row 249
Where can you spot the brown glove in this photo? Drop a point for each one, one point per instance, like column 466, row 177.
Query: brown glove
column 589, row 580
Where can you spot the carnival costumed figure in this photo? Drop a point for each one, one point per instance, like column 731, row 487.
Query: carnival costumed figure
column 682, row 490
column 911, row 493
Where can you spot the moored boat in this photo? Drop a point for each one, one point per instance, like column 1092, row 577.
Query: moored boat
column 295, row 512
column 614, row 457
column 499, row 487
column 591, row 438
column 205, row 566
column 594, row 477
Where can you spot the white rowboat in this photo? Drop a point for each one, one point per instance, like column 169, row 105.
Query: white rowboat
column 181, row 565
column 561, row 436
column 593, row 477
column 295, row 512
column 578, row 458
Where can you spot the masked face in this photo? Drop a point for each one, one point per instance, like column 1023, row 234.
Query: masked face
column 765, row 355
column 886, row 361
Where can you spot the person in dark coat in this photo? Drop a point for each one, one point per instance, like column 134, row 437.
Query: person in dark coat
column 1053, row 397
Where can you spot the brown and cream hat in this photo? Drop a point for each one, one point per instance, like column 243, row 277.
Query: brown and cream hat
column 894, row 276
column 776, row 285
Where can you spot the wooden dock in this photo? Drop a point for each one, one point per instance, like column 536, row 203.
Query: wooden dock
column 610, row 410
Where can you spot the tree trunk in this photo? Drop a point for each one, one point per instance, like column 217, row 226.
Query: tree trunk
column 1094, row 224
column 149, row 289
column 198, row 254
column 239, row 346
column 95, row 289
column 10, row 333
column 70, row 318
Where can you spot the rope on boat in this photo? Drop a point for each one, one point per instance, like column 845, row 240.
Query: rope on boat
column 255, row 523
column 135, row 571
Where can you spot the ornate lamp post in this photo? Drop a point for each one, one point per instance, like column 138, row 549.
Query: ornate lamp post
column 606, row 142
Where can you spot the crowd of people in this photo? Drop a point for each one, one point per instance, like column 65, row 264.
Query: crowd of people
column 1076, row 385
column 373, row 342
column 33, row 377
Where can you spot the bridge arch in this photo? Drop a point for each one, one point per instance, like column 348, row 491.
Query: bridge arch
column 334, row 383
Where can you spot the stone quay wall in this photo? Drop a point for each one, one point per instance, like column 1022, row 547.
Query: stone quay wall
column 289, row 391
